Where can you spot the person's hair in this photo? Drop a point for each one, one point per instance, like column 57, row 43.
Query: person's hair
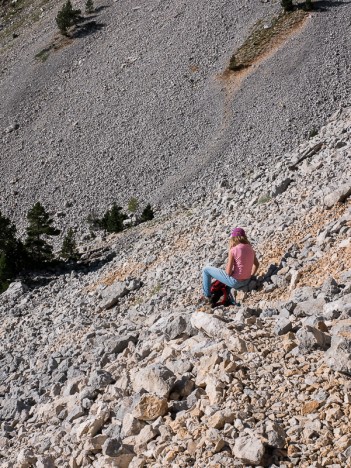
column 234, row 241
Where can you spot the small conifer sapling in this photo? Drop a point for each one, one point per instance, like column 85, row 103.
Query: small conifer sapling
column 112, row 220
column 67, row 17
column 89, row 7
column 133, row 205
column 147, row 214
column 69, row 249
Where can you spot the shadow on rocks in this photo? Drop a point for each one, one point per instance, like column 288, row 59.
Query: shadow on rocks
column 41, row 277
column 85, row 29
column 325, row 5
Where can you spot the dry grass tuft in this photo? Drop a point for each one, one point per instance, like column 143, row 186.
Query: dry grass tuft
column 264, row 37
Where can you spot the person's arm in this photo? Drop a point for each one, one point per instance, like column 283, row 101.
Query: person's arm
column 255, row 266
column 230, row 263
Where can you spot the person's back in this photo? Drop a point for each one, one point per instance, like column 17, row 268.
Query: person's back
column 244, row 256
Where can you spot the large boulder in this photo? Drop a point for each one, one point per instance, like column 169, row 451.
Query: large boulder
column 311, row 338
column 338, row 356
column 333, row 310
column 338, row 195
column 217, row 329
column 149, row 407
column 116, row 344
column 249, row 450
column 100, row 379
column 111, row 294
column 210, row 325
column 122, row 454
column 309, row 307
column 155, row 378
column 173, row 326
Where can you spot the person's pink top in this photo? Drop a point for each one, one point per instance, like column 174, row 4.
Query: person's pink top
column 244, row 256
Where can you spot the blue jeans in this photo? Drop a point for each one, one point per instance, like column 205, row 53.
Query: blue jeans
column 211, row 272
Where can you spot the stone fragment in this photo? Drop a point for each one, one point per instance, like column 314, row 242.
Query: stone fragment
column 310, row 307
column 100, row 378
column 117, row 344
column 92, row 425
column 220, row 418
column 211, row 326
column 174, row 326
column 149, row 407
column 111, row 294
column 276, row 435
column 121, row 454
column 249, row 449
column 338, row 356
column 45, row 461
column 75, row 413
column 282, row 326
column 131, row 425
column 156, row 378
column 95, row 444
column 146, row 434
column 26, row 458
column 310, row 407
column 310, row 338
column 280, row 187
column 338, row 195
column 334, row 309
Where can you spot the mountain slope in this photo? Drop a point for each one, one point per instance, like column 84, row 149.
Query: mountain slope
column 137, row 108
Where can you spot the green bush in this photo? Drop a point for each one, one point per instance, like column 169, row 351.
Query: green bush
column 264, row 199
column 133, row 205
column 67, row 17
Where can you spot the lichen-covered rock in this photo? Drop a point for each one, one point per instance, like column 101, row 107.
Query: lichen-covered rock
column 149, row 407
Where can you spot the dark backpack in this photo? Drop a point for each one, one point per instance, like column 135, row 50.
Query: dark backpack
column 218, row 291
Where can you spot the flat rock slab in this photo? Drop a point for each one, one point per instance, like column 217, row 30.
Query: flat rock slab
column 338, row 195
column 111, row 294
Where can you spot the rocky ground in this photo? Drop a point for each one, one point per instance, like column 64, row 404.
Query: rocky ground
column 138, row 105
column 114, row 364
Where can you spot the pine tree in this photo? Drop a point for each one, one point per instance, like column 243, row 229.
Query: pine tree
column 112, row 220
column 69, row 247
column 147, row 214
column 67, row 17
column 89, row 7
column 287, row 5
column 12, row 253
column 40, row 224
column 133, row 205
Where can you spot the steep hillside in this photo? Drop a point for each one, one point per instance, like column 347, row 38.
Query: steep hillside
column 138, row 105
column 113, row 363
